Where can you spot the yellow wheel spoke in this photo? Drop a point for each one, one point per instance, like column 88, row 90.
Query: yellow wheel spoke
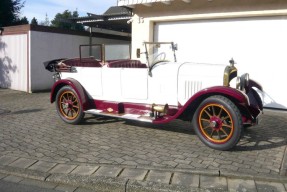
column 225, row 125
column 212, row 133
column 207, row 120
column 224, row 118
column 213, row 110
column 207, row 113
column 75, row 106
column 74, row 111
column 224, row 132
column 219, row 136
column 208, row 126
column 64, row 98
column 219, row 112
column 67, row 96
column 67, row 113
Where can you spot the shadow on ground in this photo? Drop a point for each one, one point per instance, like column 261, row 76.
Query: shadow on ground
column 267, row 135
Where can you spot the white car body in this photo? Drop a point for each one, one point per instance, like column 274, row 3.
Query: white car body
column 170, row 83
column 157, row 92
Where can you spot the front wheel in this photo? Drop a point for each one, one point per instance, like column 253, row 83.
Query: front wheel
column 68, row 105
column 218, row 123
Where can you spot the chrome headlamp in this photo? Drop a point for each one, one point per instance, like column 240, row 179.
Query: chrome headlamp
column 238, row 83
column 242, row 82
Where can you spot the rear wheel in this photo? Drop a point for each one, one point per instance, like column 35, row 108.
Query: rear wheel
column 218, row 123
column 68, row 105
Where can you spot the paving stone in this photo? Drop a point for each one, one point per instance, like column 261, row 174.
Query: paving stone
column 85, row 170
column 63, row 168
column 107, row 140
column 6, row 160
column 240, row 185
column 81, row 189
column 23, row 163
column 66, row 188
column 269, row 186
column 2, row 175
column 12, row 178
column 37, row 183
column 43, row 166
column 186, row 179
column 135, row 174
column 213, row 183
column 283, row 170
column 159, row 176
column 108, row 171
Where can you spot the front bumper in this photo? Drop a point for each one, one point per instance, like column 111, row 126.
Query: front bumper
column 258, row 119
column 255, row 108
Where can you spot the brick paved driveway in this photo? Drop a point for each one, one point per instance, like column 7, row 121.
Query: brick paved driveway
column 32, row 129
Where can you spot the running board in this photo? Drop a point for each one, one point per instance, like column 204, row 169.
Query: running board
column 122, row 115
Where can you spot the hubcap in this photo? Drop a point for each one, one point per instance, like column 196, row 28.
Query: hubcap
column 213, row 124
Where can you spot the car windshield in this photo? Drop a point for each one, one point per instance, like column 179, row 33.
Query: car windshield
column 160, row 52
column 102, row 52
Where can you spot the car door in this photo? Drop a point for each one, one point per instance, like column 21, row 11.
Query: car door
column 125, row 84
column 134, row 83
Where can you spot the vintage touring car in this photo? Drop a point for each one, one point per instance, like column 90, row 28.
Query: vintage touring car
column 105, row 81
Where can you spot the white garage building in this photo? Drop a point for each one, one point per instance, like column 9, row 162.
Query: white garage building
column 24, row 48
column 253, row 32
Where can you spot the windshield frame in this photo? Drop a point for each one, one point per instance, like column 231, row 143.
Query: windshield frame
column 103, row 51
column 101, row 48
column 173, row 47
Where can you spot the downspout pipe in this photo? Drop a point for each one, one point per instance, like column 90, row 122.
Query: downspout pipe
column 91, row 40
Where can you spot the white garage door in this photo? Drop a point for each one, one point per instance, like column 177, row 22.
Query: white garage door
column 259, row 46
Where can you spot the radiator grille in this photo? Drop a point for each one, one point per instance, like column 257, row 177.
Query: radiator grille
column 191, row 87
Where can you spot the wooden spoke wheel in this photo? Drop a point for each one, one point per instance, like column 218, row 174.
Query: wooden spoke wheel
column 68, row 105
column 218, row 123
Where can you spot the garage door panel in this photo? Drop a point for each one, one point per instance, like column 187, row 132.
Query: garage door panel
column 257, row 45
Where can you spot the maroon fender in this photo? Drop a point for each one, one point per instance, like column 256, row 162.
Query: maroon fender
column 75, row 85
column 253, row 83
column 233, row 94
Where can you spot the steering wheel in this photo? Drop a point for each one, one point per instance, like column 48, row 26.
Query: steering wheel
column 159, row 58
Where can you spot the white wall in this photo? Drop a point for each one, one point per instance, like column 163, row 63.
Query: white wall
column 14, row 62
column 47, row 46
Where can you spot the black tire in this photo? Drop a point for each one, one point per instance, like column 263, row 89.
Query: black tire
column 69, row 106
column 218, row 123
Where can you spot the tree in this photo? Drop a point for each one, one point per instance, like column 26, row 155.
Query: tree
column 34, row 21
column 9, row 12
column 61, row 20
column 21, row 21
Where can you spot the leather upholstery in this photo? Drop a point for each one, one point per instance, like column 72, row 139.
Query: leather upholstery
column 125, row 64
column 84, row 62
column 90, row 62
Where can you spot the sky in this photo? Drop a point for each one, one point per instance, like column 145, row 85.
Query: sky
column 39, row 8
